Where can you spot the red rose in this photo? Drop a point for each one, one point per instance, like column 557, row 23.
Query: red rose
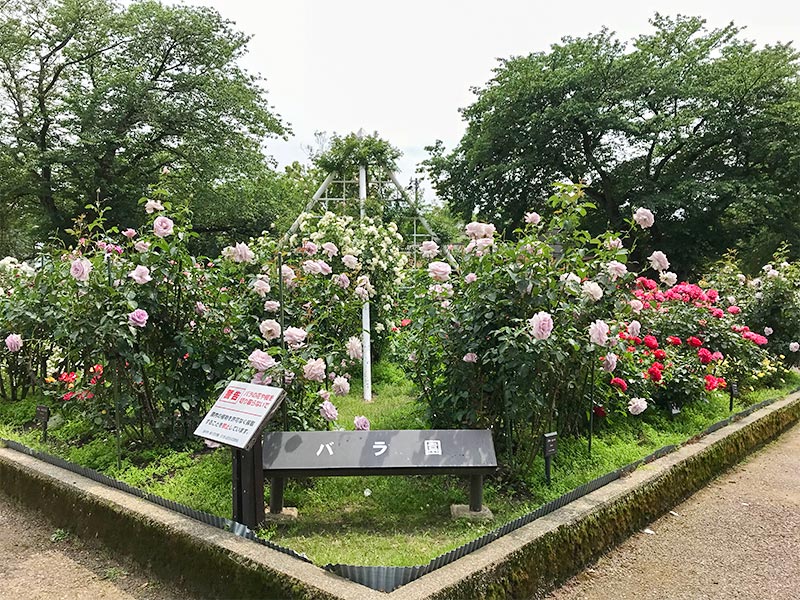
column 694, row 342
column 675, row 341
column 651, row 342
column 599, row 411
column 654, row 373
column 620, row 383
column 658, row 365
column 660, row 354
column 704, row 354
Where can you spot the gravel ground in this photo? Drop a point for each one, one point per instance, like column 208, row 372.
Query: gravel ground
column 736, row 538
column 38, row 561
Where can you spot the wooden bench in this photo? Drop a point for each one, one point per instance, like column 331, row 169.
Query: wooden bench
column 467, row 452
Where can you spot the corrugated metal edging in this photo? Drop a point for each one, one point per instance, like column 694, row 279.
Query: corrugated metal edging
column 207, row 518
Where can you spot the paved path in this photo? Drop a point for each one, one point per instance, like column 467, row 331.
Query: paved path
column 737, row 538
column 39, row 562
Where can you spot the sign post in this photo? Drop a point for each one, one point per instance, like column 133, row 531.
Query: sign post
column 734, row 393
column 237, row 420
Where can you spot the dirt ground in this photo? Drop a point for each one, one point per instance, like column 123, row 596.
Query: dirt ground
column 38, row 561
column 737, row 538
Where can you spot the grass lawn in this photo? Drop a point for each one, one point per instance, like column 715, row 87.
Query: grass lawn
column 397, row 521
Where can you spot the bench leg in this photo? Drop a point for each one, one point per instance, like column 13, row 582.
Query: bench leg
column 475, row 493
column 276, row 485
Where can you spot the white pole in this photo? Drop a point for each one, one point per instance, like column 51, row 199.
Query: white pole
column 365, row 325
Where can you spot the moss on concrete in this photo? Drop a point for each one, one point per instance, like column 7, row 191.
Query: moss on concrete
column 208, row 570
column 560, row 554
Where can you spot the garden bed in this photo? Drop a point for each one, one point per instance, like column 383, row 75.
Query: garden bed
column 399, row 521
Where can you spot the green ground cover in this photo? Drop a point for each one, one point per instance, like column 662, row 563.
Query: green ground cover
column 375, row 520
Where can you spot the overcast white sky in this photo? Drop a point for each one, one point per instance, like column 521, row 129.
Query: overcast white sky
column 404, row 68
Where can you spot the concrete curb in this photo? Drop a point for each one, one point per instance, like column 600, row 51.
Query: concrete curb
column 524, row 563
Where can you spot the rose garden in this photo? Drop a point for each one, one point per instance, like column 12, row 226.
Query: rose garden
column 607, row 275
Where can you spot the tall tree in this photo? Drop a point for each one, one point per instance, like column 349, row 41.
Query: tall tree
column 95, row 99
column 699, row 125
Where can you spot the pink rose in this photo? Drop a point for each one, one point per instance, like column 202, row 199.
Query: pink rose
column 153, row 205
column 593, row 290
column 636, row 306
column 138, row 318
column 328, row 411
column 342, row 280
column 658, row 260
column 260, row 360
column 314, row 370
column 200, row 308
column 309, row 247
column 288, row 274
column 239, row 253
column 470, row 357
column 616, row 270
column 261, row 287
column 324, row 268
column 350, row 261
column 140, row 275
column 354, row 348
column 270, row 329
column 598, row 332
column 532, row 218
column 163, row 226
column 470, row 278
column 272, row 306
column 129, row 233
column 440, row 271
column 637, row 406
column 477, row 230
column 14, row 342
column 341, row 387
column 312, row 267
column 644, row 218
column 80, row 269
column 609, row 362
column 361, row 423
column 330, row 249
column 734, row 310
column 294, row 337
column 541, row 325
column 429, row 249
column 141, row 246
column 614, row 244
column 634, row 328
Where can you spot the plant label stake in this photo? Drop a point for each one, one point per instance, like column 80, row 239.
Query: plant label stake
column 43, row 416
column 734, row 393
column 550, row 446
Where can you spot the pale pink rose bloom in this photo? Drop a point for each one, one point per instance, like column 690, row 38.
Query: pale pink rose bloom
column 138, row 318
column 324, row 268
column 668, row 278
column 239, row 253
column 14, row 342
column 270, row 329
column 341, row 387
column 479, row 246
column 768, row 331
column 440, row 271
column 153, row 205
column 314, row 370
column 261, row 378
column 658, row 260
column 342, row 280
column 470, row 357
column 354, row 348
column 312, row 267
column 324, row 394
column 288, row 377
column 741, row 278
column 429, row 249
column 288, row 274
column 616, row 270
column 211, row 444
column 477, row 230
column 593, row 290
column 350, row 261
column 636, row 306
column 129, row 233
column 609, row 362
column 532, row 218
column 261, row 287
column 470, row 278
column 614, row 244
column 80, row 269
column 634, row 328
column 362, row 293
column 141, row 246
column 330, row 249
column 200, row 308
column 328, row 411
column 309, row 247
column 598, row 332
column 569, row 278
column 294, row 337
column 541, row 325
column 163, row 226
column 644, row 218
column 637, row 406
column 140, row 275
column 272, row 305
column 260, row 360
column 361, row 423
column 794, row 347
